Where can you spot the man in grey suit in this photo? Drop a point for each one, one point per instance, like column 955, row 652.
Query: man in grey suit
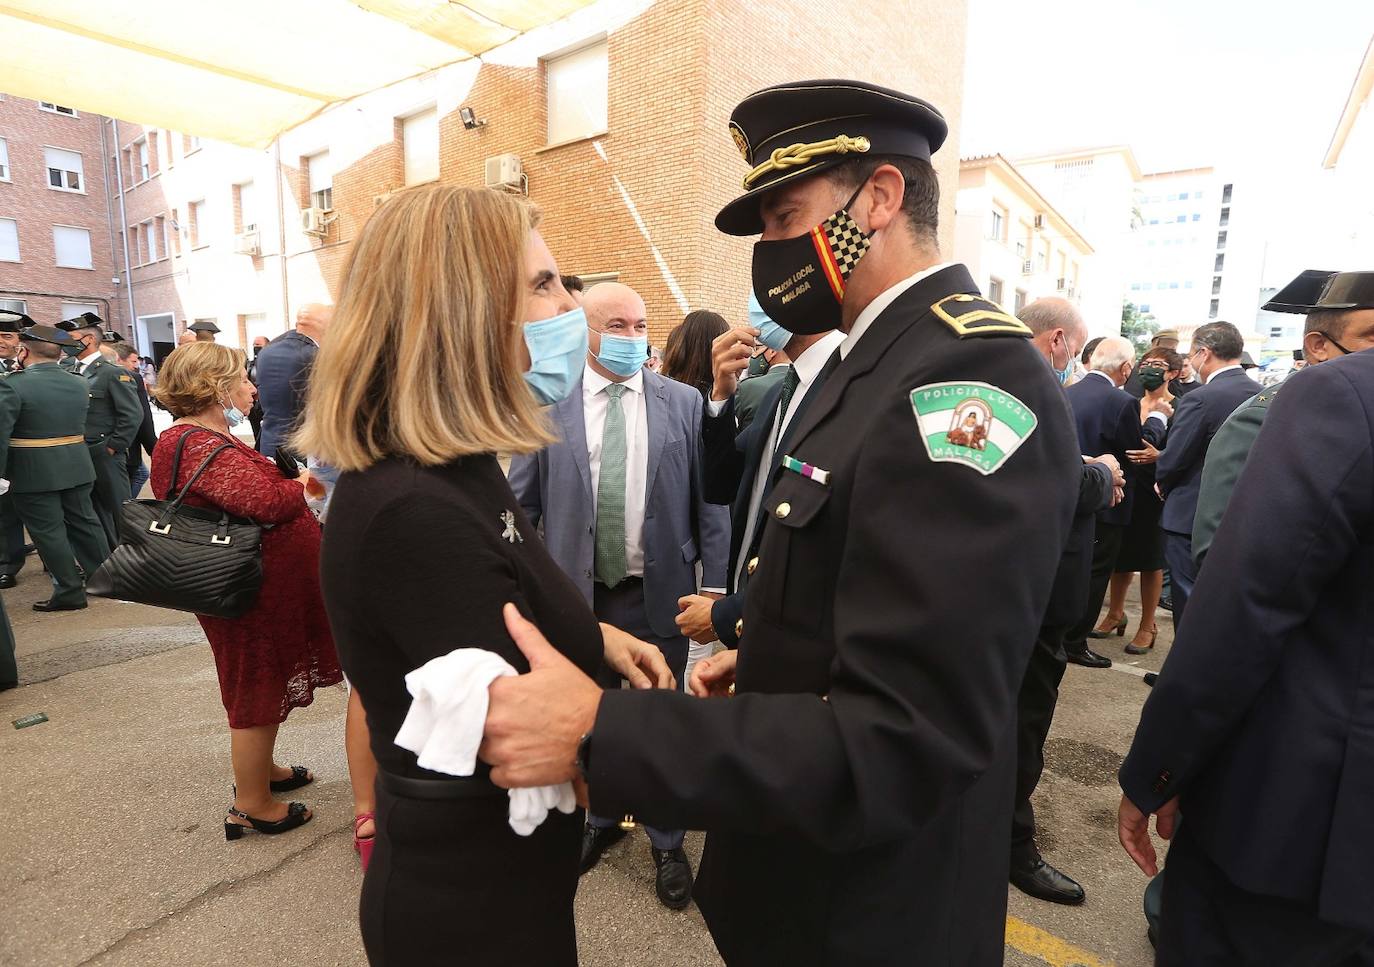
column 619, row 500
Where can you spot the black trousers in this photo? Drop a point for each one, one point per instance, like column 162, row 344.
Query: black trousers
column 66, row 530
column 111, row 488
column 1211, row 922
column 1034, row 713
column 11, row 538
column 1106, row 545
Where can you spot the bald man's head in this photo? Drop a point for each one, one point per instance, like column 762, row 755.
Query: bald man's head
column 313, row 318
column 616, row 310
column 186, row 338
column 1058, row 327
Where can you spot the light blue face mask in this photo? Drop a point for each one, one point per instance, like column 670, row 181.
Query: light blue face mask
column 772, row 335
column 558, row 351
column 623, row 355
column 233, row 416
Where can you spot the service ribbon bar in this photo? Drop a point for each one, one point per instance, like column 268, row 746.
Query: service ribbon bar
column 821, row 477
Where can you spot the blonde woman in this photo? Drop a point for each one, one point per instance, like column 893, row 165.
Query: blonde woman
column 426, row 543
column 271, row 659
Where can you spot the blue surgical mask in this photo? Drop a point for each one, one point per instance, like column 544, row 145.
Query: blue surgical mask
column 233, row 416
column 1062, row 374
column 772, row 335
column 623, row 355
column 558, row 351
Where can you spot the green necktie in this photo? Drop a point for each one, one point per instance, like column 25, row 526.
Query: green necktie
column 610, row 494
column 790, row 382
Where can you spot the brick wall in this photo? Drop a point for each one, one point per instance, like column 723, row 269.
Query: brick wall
column 26, row 198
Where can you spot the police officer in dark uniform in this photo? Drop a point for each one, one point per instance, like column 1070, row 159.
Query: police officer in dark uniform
column 858, row 789
column 13, row 550
column 112, row 422
column 44, row 456
column 1257, row 734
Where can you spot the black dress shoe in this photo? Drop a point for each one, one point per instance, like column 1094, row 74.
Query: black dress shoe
column 50, row 606
column 1151, row 678
column 674, row 880
column 1089, row 659
column 7, row 581
column 1167, row 603
column 1044, row 882
column 595, row 841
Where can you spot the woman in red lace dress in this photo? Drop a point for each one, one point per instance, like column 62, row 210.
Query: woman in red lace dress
column 271, row 659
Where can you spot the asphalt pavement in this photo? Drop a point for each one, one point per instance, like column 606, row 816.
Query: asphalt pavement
column 112, row 849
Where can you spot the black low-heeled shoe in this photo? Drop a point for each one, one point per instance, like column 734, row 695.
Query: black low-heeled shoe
column 295, row 817
column 300, row 776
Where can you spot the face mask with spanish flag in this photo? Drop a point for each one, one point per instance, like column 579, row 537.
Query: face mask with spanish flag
column 800, row 281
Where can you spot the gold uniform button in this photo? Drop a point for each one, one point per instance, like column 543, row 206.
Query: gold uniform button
column 753, row 566
column 739, row 628
column 783, row 510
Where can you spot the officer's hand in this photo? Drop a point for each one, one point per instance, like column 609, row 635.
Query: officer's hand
column 714, row 677
column 730, row 352
column 535, row 720
column 1133, row 830
column 638, row 662
column 1111, row 463
column 1147, row 454
column 694, row 618
column 1162, row 406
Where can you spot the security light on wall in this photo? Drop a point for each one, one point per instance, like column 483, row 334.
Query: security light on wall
column 470, row 119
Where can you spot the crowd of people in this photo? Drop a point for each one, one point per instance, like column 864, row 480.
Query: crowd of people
column 714, row 588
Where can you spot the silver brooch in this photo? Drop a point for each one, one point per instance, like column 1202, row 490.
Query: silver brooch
column 510, row 533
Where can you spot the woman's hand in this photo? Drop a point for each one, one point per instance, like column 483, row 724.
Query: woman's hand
column 313, row 488
column 638, row 662
column 714, row 677
column 1147, row 455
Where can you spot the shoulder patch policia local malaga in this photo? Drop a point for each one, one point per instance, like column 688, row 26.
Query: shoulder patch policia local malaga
column 976, row 424
column 971, row 315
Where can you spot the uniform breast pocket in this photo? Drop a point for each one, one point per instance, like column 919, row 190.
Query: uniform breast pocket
column 793, row 580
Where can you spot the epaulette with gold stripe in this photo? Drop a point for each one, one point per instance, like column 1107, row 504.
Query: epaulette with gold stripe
column 971, row 315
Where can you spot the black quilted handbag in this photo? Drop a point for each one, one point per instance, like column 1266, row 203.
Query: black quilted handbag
column 185, row 558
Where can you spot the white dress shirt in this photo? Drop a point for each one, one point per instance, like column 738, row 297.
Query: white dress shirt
column 881, row 302
column 1224, row 369
column 86, row 360
column 808, row 366
column 595, row 403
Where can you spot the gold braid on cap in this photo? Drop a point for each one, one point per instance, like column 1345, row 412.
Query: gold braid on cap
column 796, row 155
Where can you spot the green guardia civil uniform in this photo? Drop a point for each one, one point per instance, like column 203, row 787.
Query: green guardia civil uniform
column 44, row 456
column 12, row 549
column 112, row 423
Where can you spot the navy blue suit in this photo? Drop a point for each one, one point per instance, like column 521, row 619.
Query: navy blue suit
column 1262, row 722
column 1178, row 471
column 283, row 369
column 1108, row 421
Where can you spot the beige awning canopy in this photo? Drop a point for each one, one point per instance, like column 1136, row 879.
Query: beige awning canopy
column 241, row 71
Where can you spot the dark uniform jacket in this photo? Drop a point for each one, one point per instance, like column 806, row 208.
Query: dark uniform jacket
column 1262, row 722
column 115, row 413
column 750, row 395
column 146, row 438
column 1197, row 417
column 858, row 790
column 1108, row 421
column 44, row 402
column 283, row 371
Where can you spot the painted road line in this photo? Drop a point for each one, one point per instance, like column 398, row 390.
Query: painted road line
column 1131, row 669
column 1027, row 939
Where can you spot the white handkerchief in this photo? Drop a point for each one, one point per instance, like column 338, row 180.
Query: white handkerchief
column 448, row 710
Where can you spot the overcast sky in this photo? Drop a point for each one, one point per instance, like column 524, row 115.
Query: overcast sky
column 1186, row 83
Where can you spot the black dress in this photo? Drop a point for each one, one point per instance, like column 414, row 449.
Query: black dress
column 417, row 562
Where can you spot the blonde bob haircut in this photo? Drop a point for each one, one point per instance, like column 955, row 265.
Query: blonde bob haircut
column 422, row 360
column 197, row 376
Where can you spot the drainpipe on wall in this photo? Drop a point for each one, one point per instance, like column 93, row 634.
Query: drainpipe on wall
column 124, row 235
column 281, row 237
column 109, row 212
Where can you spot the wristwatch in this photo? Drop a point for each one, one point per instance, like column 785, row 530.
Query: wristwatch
column 583, row 761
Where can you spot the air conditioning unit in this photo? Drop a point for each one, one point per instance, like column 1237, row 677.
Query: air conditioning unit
column 314, row 221
column 1039, row 221
column 1026, row 268
column 503, row 172
column 248, row 243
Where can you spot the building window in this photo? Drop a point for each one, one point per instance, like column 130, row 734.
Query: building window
column 1020, row 300
column 1197, row 194
column 56, row 109
column 998, row 222
column 995, row 290
column 1020, row 250
column 150, row 234
column 73, row 247
column 64, row 169
column 1216, row 284
column 1221, row 239
column 168, row 139
column 197, row 219
column 174, row 233
column 1188, row 285
column 1276, row 332
column 246, row 201
column 576, row 83
column 70, row 310
column 1213, row 308
column 140, row 170
column 14, row 305
column 420, row 146
column 1221, row 260
column 1173, row 285
column 320, row 177
column 1135, row 286
column 4, row 160
column 190, row 143
column 9, row 240
column 1226, row 195
column 1145, row 307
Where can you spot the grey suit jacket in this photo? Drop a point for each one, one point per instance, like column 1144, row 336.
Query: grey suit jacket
column 554, row 486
